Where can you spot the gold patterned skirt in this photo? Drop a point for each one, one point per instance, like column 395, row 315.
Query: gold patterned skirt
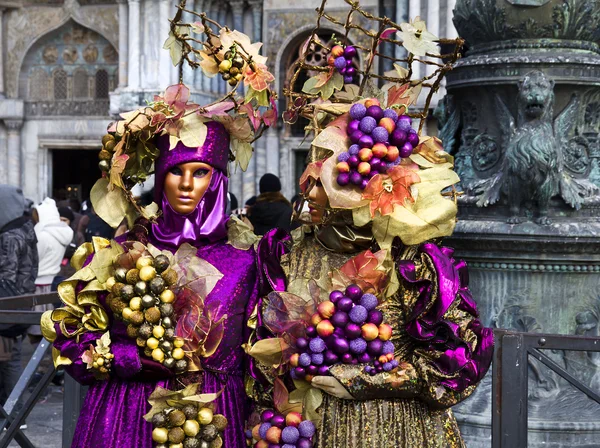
column 396, row 423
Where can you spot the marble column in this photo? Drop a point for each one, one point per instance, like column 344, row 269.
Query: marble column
column 188, row 72
column 433, row 24
column 261, row 147
column 402, row 16
column 164, row 60
column 3, row 156
column 414, row 10
column 13, row 165
column 1, row 53
column 389, row 11
column 133, row 80
column 242, row 184
column 123, row 42
column 198, row 75
column 450, row 29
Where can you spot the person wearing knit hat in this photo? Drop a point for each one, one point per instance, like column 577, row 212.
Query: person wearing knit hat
column 272, row 209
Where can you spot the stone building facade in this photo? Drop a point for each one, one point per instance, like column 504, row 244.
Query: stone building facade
column 70, row 66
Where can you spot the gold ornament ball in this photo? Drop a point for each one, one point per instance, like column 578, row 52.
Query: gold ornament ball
column 178, row 342
column 160, row 435
column 142, row 262
column 178, row 353
column 110, row 283
column 167, row 296
column 107, row 138
column 152, row 343
column 191, row 428
column 176, row 435
column 110, row 145
column 127, row 312
column 135, row 304
column 104, row 165
column 158, row 355
column 205, row 416
column 175, row 445
column 147, row 273
column 158, row 332
column 225, row 65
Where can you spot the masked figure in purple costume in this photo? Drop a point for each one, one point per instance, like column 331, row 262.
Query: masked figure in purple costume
column 191, row 187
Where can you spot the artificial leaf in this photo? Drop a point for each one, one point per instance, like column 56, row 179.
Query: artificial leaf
column 230, row 37
column 116, row 169
column 111, row 206
column 258, row 78
column 102, row 263
column 311, row 403
column 281, row 399
column 193, row 131
column 243, row 152
column 150, row 212
column 431, row 149
column 416, row 39
column 239, row 234
column 402, row 94
column 268, row 351
column 365, row 269
column 197, row 27
column 384, row 191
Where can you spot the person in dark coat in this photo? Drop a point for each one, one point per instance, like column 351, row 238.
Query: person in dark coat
column 18, row 271
column 272, row 209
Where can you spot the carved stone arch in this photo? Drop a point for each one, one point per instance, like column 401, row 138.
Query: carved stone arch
column 53, row 21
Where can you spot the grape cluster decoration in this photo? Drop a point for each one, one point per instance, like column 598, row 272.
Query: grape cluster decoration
column 380, row 140
column 342, row 58
column 231, row 67
column 277, row 430
column 188, row 426
column 349, row 329
column 143, row 298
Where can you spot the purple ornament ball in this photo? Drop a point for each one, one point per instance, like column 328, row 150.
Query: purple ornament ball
column 317, row 358
column 341, row 346
column 352, row 126
column 345, row 304
column 376, row 112
column 301, row 344
column 348, row 63
column 365, row 358
column 316, row 345
column 304, row 443
column 358, row 111
column 367, row 124
column 290, row 434
column 304, row 360
column 339, row 332
column 347, row 358
column 353, row 161
column 404, row 123
column 356, row 136
column 388, row 347
column 369, row 301
column 343, row 157
column 311, row 332
column 375, row 317
column 413, row 138
column 330, row 358
column 343, row 179
column 406, row 150
column 358, row 346
column 323, row 370
column 288, row 445
column 356, row 178
column 349, row 52
column 353, row 331
column 248, row 434
column 398, row 137
column 387, row 366
column 380, row 134
column 262, row 430
column 350, row 71
column 390, row 113
column 354, row 361
column 395, row 363
column 364, row 183
column 354, row 292
column 358, row 314
column 353, row 150
column 342, row 71
column 278, row 420
column 375, row 164
column 375, row 346
column 334, row 296
column 300, row 372
column 348, row 79
column 312, row 370
column 340, row 62
column 340, row 319
column 267, row 415
column 366, row 141
column 306, row 429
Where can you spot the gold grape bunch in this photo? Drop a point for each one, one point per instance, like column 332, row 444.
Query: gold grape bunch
column 142, row 297
column 231, row 66
column 188, row 427
column 106, row 154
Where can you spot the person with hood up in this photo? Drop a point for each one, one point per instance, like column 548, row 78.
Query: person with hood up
column 54, row 236
column 272, row 209
column 18, row 270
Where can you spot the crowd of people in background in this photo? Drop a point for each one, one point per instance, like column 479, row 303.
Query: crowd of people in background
column 37, row 242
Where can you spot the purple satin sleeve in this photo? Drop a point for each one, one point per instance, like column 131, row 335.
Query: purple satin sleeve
column 454, row 357
column 273, row 245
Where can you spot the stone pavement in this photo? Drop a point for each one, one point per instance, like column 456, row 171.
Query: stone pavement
column 44, row 424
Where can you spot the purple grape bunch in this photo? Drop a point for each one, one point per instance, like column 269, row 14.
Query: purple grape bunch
column 341, row 58
column 275, row 429
column 347, row 328
column 380, row 140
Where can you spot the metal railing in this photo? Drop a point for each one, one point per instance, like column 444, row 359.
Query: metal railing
column 17, row 407
column 510, row 374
